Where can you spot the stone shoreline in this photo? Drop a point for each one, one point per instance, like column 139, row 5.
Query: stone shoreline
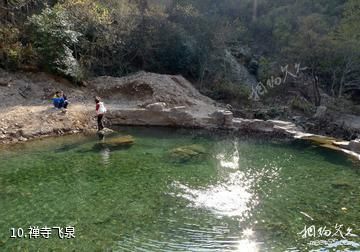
column 158, row 114
column 141, row 99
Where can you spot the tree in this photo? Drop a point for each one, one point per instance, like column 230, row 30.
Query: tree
column 346, row 41
column 53, row 37
column 255, row 7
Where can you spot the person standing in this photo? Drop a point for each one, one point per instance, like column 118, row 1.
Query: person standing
column 100, row 112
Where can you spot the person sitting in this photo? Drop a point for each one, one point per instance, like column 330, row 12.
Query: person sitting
column 60, row 100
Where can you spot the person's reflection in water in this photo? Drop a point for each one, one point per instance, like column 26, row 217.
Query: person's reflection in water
column 105, row 155
column 104, row 150
column 101, row 136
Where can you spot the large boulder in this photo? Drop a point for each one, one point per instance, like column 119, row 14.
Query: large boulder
column 106, row 132
column 158, row 106
column 354, row 145
column 222, row 118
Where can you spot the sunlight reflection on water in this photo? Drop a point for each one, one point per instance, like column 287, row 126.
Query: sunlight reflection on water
column 247, row 246
column 232, row 161
column 231, row 198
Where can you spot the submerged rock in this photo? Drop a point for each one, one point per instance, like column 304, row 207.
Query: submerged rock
column 333, row 144
column 341, row 184
column 188, row 152
column 114, row 144
column 331, row 147
column 323, row 141
column 320, row 140
column 122, row 140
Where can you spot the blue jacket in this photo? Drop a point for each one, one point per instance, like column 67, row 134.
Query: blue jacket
column 58, row 102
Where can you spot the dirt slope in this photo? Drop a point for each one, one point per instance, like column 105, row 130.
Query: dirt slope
column 144, row 88
column 26, row 111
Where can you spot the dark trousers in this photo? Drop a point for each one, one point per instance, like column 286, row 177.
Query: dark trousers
column 100, row 122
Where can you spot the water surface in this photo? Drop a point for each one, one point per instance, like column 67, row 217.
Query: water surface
column 243, row 194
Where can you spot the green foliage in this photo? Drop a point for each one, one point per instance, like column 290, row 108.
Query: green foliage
column 175, row 54
column 186, row 37
column 52, row 37
column 13, row 54
column 264, row 69
column 345, row 53
column 10, row 48
column 349, row 27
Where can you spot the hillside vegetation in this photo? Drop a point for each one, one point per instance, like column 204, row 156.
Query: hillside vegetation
column 222, row 46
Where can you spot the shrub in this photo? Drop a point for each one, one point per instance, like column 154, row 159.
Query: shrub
column 302, row 105
column 10, row 47
column 229, row 92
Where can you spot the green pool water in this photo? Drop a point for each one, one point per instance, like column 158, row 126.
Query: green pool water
column 242, row 194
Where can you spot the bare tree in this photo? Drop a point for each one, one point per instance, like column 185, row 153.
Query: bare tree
column 255, row 7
